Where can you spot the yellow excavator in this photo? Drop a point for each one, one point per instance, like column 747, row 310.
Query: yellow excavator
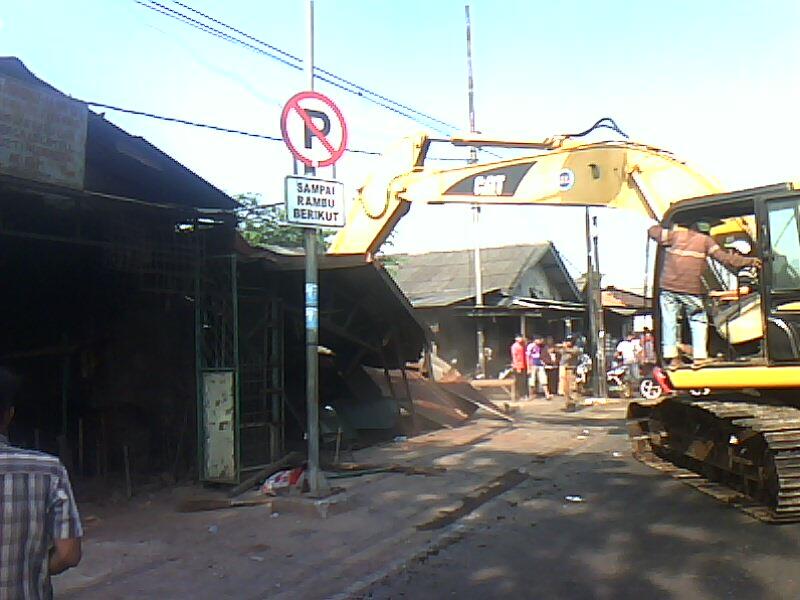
column 735, row 421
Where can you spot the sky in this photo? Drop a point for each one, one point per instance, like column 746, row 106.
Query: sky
column 714, row 82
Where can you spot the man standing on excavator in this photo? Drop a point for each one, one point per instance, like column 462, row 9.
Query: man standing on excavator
column 682, row 285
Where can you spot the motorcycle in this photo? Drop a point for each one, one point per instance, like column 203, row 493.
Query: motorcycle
column 583, row 375
column 618, row 379
column 650, row 386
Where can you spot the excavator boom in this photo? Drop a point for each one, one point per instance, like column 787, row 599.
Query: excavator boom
column 622, row 175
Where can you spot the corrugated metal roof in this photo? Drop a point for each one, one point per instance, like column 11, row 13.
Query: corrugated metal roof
column 617, row 298
column 121, row 164
column 443, row 278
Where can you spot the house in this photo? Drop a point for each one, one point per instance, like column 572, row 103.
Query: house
column 624, row 312
column 526, row 288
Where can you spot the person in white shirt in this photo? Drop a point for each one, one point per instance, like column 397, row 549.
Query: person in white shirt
column 628, row 351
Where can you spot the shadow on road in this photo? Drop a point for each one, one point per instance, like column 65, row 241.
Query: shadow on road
column 632, row 533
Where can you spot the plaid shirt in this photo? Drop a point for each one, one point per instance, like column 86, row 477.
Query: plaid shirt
column 36, row 507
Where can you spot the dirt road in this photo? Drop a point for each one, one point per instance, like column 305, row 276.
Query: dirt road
column 497, row 524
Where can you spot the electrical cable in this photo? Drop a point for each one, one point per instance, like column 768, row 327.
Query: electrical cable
column 222, row 129
column 321, row 70
column 605, row 122
column 186, row 20
column 166, row 11
column 219, row 128
column 205, row 28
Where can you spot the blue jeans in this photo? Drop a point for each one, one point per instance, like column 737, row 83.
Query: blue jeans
column 671, row 304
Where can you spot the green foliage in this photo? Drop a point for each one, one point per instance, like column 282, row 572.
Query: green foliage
column 262, row 224
column 390, row 262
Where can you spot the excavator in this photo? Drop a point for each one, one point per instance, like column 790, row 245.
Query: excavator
column 730, row 427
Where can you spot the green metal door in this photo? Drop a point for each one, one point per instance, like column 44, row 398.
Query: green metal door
column 239, row 338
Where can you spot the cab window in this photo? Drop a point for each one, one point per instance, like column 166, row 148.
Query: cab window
column 784, row 236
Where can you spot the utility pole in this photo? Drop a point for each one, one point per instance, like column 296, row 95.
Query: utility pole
column 599, row 318
column 595, row 306
column 476, row 209
column 316, row 479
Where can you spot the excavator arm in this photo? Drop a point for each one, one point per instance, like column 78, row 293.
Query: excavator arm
column 621, row 175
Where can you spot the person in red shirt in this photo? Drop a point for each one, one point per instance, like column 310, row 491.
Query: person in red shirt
column 520, row 367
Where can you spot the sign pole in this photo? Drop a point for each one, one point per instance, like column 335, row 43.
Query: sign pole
column 317, row 485
column 315, row 132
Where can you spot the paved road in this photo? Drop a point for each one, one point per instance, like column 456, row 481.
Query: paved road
column 636, row 534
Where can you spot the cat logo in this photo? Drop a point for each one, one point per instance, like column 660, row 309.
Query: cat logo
column 488, row 185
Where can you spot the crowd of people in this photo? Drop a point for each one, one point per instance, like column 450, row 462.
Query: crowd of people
column 543, row 367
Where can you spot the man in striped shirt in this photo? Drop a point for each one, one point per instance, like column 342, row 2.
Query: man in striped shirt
column 40, row 530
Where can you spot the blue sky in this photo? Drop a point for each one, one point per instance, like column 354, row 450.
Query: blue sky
column 714, row 82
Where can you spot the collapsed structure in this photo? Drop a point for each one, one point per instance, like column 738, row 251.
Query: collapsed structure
column 149, row 336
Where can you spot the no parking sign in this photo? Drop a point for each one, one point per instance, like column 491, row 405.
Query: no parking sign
column 314, row 129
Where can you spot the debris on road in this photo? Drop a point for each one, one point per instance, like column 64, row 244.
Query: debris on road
column 574, row 498
column 476, row 498
column 344, row 470
column 293, row 459
column 201, row 504
column 287, row 480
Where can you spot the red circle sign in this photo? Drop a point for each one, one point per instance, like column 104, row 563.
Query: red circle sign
column 314, row 129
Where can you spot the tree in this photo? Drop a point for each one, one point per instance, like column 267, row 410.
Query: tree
column 390, row 262
column 262, row 224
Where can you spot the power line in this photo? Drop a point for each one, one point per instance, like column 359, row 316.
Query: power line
column 205, row 28
column 181, row 121
column 332, row 79
column 186, row 20
column 321, row 70
column 243, row 132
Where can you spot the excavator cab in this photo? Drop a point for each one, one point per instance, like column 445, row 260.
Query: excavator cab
column 739, row 440
column 754, row 314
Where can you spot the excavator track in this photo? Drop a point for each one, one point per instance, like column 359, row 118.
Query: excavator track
column 740, row 452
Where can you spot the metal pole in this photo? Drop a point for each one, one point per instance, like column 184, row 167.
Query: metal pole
column 476, row 209
column 316, row 482
column 590, row 303
column 473, row 151
column 599, row 320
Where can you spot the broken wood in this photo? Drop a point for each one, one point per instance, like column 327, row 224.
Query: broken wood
column 203, row 504
column 291, row 460
column 355, row 469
